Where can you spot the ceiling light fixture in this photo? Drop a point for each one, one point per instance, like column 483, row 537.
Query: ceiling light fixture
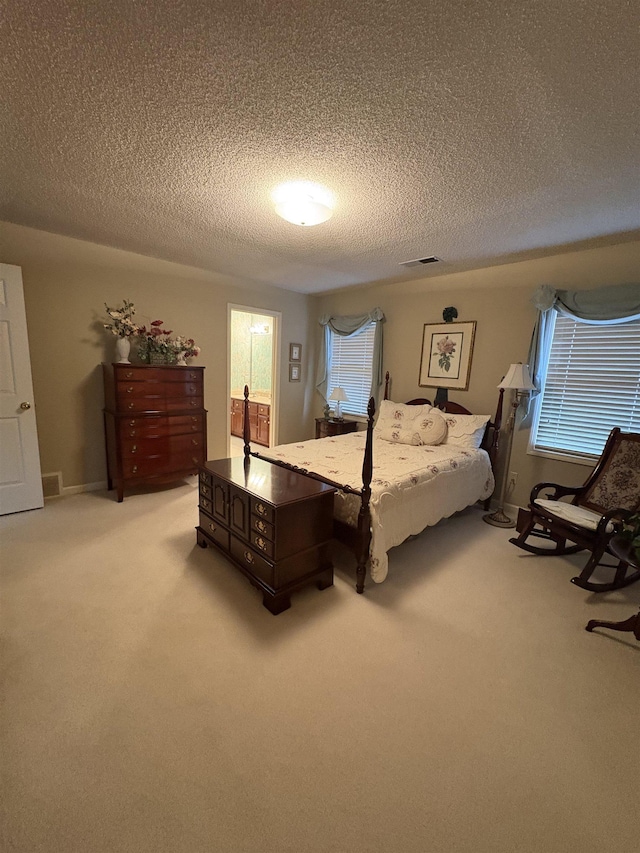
column 303, row 202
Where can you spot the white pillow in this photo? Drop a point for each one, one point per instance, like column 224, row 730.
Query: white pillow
column 432, row 427
column 399, row 415
column 465, row 430
column 399, row 435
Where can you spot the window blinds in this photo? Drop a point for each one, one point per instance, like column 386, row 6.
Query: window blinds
column 351, row 367
column 592, row 385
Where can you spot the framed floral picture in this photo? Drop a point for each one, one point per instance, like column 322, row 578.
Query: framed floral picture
column 447, row 349
column 295, row 352
column 294, row 373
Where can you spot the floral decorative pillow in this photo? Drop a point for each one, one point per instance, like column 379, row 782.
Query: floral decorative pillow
column 392, row 414
column 432, row 427
column 466, row 430
column 400, row 435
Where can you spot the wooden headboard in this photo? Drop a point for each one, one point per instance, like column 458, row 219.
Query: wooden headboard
column 492, row 432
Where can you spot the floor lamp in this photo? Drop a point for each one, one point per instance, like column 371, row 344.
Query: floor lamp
column 518, row 380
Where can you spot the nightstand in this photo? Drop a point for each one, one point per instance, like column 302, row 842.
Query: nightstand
column 329, row 427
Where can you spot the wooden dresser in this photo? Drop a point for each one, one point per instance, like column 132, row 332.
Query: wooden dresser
column 155, row 423
column 273, row 524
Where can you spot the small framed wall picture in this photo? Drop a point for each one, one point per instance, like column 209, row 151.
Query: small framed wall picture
column 295, row 352
column 294, row 373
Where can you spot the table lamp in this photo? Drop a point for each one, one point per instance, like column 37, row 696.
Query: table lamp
column 339, row 396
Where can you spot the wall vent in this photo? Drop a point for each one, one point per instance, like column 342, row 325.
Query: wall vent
column 421, row 261
column 52, row 485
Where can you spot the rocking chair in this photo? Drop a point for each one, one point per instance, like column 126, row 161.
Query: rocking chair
column 595, row 514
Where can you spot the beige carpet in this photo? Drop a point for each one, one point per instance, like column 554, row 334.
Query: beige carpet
column 150, row 702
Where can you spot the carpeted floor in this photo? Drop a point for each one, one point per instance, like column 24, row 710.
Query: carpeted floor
column 150, row 702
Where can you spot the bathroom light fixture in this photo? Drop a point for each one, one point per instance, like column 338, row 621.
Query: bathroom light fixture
column 303, row 202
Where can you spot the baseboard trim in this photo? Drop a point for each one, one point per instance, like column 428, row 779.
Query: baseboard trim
column 85, row 487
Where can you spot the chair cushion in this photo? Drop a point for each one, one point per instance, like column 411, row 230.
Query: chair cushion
column 573, row 514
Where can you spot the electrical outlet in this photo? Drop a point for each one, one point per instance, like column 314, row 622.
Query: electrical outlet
column 513, row 479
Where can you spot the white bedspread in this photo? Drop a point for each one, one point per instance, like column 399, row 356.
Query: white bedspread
column 412, row 487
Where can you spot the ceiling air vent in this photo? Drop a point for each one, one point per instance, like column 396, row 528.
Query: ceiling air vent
column 421, row 261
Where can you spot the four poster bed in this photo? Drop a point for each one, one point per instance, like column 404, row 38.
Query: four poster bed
column 399, row 476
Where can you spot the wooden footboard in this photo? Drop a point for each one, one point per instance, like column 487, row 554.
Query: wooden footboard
column 361, row 544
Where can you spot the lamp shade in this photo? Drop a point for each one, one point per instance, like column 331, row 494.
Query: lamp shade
column 339, row 395
column 518, row 377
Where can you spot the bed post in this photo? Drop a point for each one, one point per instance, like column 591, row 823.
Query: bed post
column 246, row 426
column 364, row 516
column 386, row 386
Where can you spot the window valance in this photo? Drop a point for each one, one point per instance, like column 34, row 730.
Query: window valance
column 599, row 306
column 348, row 326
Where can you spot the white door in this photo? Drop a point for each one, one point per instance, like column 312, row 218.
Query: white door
column 20, row 478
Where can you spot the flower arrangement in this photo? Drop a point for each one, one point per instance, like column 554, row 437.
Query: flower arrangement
column 185, row 347
column 155, row 343
column 121, row 322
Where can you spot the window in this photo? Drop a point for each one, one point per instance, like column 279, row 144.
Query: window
column 351, row 367
column 592, row 384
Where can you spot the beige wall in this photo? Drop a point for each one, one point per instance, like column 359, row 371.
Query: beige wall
column 67, row 282
column 498, row 298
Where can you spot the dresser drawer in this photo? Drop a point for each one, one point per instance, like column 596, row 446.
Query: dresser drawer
column 161, row 404
column 214, row 530
column 156, row 373
column 182, row 389
column 262, row 509
column 263, row 409
column 161, row 426
column 260, row 543
column 180, row 464
column 264, row 528
column 253, row 562
column 168, row 444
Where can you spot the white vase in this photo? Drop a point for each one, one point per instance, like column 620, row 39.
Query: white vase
column 123, row 347
column 181, row 362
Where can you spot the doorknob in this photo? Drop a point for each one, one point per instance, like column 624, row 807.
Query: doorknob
column 25, row 405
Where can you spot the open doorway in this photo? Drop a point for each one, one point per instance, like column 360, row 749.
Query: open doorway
column 253, row 350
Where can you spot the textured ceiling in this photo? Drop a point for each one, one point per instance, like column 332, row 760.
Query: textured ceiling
column 464, row 129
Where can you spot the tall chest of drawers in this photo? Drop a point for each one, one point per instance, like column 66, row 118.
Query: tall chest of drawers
column 155, row 423
column 275, row 525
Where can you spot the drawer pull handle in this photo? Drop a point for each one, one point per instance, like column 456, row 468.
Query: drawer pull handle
column 262, row 527
column 249, row 557
column 129, row 374
column 195, row 442
column 261, row 509
column 134, row 448
column 132, row 433
column 130, row 389
column 134, row 469
column 193, row 403
column 261, row 543
column 212, row 527
column 195, row 420
column 203, row 477
column 193, row 376
column 132, row 406
column 195, row 460
column 206, row 505
column 132, row 423
column 204, row 490
column 194, row 427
